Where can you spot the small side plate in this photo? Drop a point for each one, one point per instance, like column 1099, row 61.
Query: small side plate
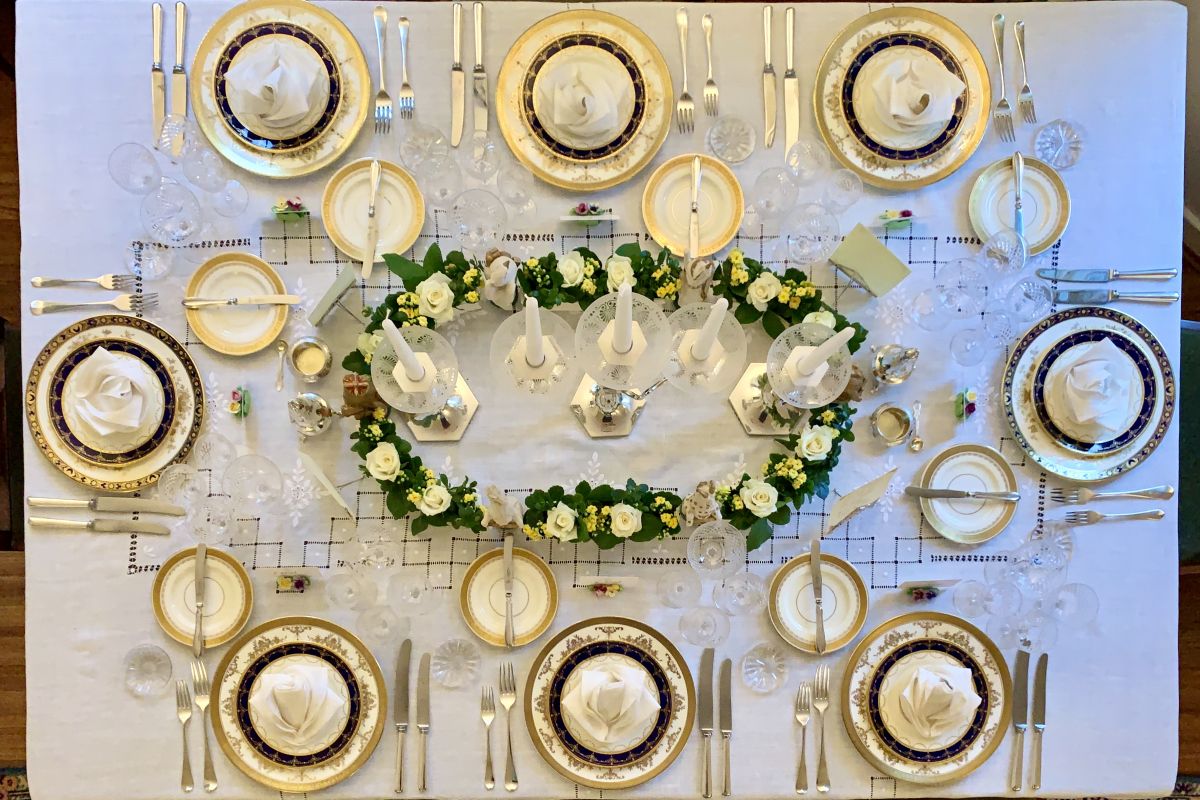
column 228, row 597
column 1045, row 201
column 667, row 203
column 399, row 209
column 792, row 607
column 535, row 597
column 972, row 468
column 236, row 330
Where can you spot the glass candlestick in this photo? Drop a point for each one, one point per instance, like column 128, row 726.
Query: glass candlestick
column 415, row 372
column 790, row 364
column 533, row 369
column 708, row 348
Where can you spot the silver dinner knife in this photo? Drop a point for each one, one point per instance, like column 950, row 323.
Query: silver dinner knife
column 458, row 82
column 726, row 722
column 480, row 84
column 1039, row 719
column 950, row 494
column 252, row 300
column 1018, row 165
column 1105, row 275
column 509, row 632
column 1104, row 296
column 109, row 504
column 368, row 253
column 423, row 722
column 400, row 709
column 768, row 77
column 178, row 76
column 791, row 85
column 814, row 564
column 201, row 571
column 1020, row 716
column 158, row 78
column 102, row 525
column 706, row 715
column 694, row 215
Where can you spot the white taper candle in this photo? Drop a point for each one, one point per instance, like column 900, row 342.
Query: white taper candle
column 623, row 326
column 404, row 353
column 821, row 353
column 535, row 354
column 702, row 347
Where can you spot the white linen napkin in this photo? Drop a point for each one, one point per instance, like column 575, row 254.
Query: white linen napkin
column 611, row 703
column 916, row 93
column 585, row 99
column 112, row 393
column 295, row 704
column 1096, row 385
column 276, row 84
column 938, row 699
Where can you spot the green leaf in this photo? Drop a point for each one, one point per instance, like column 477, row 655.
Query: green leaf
column 605, row 540
column 759, row 533
column 630, row 250
column 410, row 272
column 651, row 529
column 781, row 516
column 746, row 314
column 397, row 504
column 419, row 524
column 433, row 258
column 772, row 323
column 354, row 362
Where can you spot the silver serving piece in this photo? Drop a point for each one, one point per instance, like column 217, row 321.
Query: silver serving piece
column 310, row 414
column 893, row 363
column 1020, row 718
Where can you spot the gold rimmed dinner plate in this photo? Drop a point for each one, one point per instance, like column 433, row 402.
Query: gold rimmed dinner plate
column 49, row 423
column 1045, row 203
column 887, row 652
column 929, row 155
column 399, row 208
column 352, row 674
column 308, row 31
column 602, row 158
column 228, row 597
column 970, row 468
column 236, row 330
column 1055, row 450
column 667, row 204
column 791, row 604
column 482, row 601
column 648, row 753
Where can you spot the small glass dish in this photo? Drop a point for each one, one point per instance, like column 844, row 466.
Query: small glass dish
column 730, row 139
column 764, row 668
column 1060, row 143
column 147, row 671
column 455, row 664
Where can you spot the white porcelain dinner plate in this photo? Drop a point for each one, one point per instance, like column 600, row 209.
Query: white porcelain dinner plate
column 1045, row 203
column 969, row 468
column 236, row 330
column 228, row 597
column 399, row 208
column 557, row 69
column 791, row 604
column 535, row 597
column 667, row 204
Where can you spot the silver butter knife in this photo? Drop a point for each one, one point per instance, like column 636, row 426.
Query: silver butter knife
column 814, row 564
column 252, row 300
column 1018, row 166
column 1105, row 275
column 458, row 82
column 1104, row 296
column 726, row 722
column 949, row 494
column 110, row 504
column 768, row 77
column 694, row 215
column 479, row 85
column 423, row 723
column 509, row 627
column 791, row 85
column 706, row 715
column 158, row 78
column 400, row 709
column 102, row 525
column 1020, row 716
column 368, row 252
column 201, row 572
column 1039, row 719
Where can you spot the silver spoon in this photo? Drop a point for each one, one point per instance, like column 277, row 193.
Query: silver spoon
column 916, row 443
column 282, row 348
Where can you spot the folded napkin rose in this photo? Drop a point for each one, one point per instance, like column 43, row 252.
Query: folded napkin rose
column 611, row 703
column 295, row 705
column 938, row 699
column 111, row 392
column 1095, row 385
column 585, row 99
column 279, row 85
column 916, row 93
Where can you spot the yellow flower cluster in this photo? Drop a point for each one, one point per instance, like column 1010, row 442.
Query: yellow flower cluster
column 414, row 496
column 828, row 416
column 409, row 305
column 590, row 265
column 590, row 519
column 430, row 476
column 738, row 275
column 531, row 262
column 469, row 497
column 588, row 286
column 792, row 293
column 663, row 505
column 374, row 431
column 380, row 414
column 471, row 278
column 791, row 469
column 736, row 257
column 535, row 532
column 737, row 502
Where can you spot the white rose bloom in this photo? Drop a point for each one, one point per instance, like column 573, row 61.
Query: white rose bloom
column 561, row 522
column 436, row 298
column 825, row 318
column 620, row 270
column 625, row 520
column 383, row 462
column 500, row 282
column 759, row 497
column 816, row 442
column 434, row 500
column 763, row 290
column 570, row 267
column 369, row 342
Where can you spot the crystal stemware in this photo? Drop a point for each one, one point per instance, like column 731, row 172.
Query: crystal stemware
column 808, row 161
column 214, row 520
column 1039, row 566
column 455, row 663
column 1032, row 631
column 381, row 624
column 1000, row 323
column 743, row 593
column 412, row 593
column 764, row 668
column 479, row 218
column 774, row 193
column 1005, row 252
column 134, row 168
column 1073, row 605
column 928, row 312
column 716, row 550
column 704, row 626
column 679, row 587
column 182, row 485
column 515, row 186
column 843, row 189
column 147, row 670
column 730, row 139
column 371, row 549
column 205, row 169
column 968, row 347
column 962, row 287
column 212, row 451
column 171, row 214
column 440, row 179
column 974, row 599
column 350, row 590
column 177, row 135
column 479, row 156
column 253, row 482
column 1030, row 299
column 148, row 261
column 811, row 232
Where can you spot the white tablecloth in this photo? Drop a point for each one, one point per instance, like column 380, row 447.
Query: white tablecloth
column 1115, row 67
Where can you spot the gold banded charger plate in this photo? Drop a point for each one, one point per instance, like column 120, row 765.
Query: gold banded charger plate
column 236, row 330
column 482, row 600
column 650, row 749
column 792, row 606
column 1045, row 203
column 165, row 439
column 842, row 112
column 355, row 701
column 882, row 663
column 667, row 204
column 399, row 209
column 339, row 100
column 584, row 160
column 228, row 597
column 969, row 468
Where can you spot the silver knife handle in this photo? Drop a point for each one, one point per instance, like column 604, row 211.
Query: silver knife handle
column 820, row 612
column 457, row 34
column 399, row 759
column 510, row 635
column 707, row 739
column 381, row 43
column 422, row 776
column 1148, row 275
column 1019, row 177
column 998, row 38
column 1035, row 778
column 822, row 767
column 727, row 780
column 802, row 770
column 479, row 35
column 198, row 632
column 1163, row 492
column 156, row 27
column 55, row 502
column 681, row 22
column 1163, row 298
column 1018, row 762
column 180, row 27
column 789, row 17
column 1019, row 35
column 403, row 25
column 510, row 766
column 46, row 522
column 767, row 34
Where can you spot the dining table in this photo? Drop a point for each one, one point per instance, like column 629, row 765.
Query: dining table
column 1116, row 68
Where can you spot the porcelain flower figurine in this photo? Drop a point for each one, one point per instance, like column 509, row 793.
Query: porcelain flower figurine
column 112, row 394
column 611, row 702
column 500, row 279
column 295, row 704
column 501, row 511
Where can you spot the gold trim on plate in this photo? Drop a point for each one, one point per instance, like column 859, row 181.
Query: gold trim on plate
column 777, row 584
column 473, row 622
column 211, row 338
column 399, row 173
column 975, row 203
column 185, row 637
column 1009, row 476
column 709, row 166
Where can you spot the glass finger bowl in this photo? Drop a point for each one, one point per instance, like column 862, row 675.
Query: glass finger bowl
column 764, row 668
column 730, row 139
column 147, row 671
column 455, row 664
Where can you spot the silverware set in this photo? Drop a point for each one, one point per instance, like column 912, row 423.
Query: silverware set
column 685, row 108
column 112, row 282
column 105, row 504
column 458, row 81
column 203, row 689
column 134, row 303
column 1025, row 96
column 961, row 494
column 479, row 81
column 508, row 698
column 158, row 76
column 1020, row 719
column 406, row 99
column 724, row 723
column 712, row 94
column 183, row 710
column 814, row 564
column 201, row 686
column 1002, row 116
column 509, row 625
column 405, row 103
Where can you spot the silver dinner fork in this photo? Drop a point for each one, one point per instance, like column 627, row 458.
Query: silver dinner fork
column 711, row 93
column 1090, row 517
column 803, row 714
column 1002, row 116
column 508, row 697
column 183, row 710
column 203, row 689
column 111, row 282
column 383, row 103
column 136, row 303
column 1025, row 96
column 406, row 98
column 1074, row 496
column 487, row 710
column 685, row 108
column 821, row 704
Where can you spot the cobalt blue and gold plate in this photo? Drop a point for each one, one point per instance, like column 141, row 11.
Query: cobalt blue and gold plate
column 341, row 745
column 884, row 660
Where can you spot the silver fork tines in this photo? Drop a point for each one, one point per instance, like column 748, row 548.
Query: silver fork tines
column 383, row 103
column 1083, row 495
column 821, row 704
column 183, row 710
column 804, row 701
column 508, row 698
column 1002, row 116
column 685, row 108
column 406, row 99
column 487, row 711
column 1025, row 96
column 711, row 94
column 203, row 689
column 1090, row 517
column 136, row 303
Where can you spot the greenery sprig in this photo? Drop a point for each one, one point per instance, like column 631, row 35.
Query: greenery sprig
column 606, row 515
